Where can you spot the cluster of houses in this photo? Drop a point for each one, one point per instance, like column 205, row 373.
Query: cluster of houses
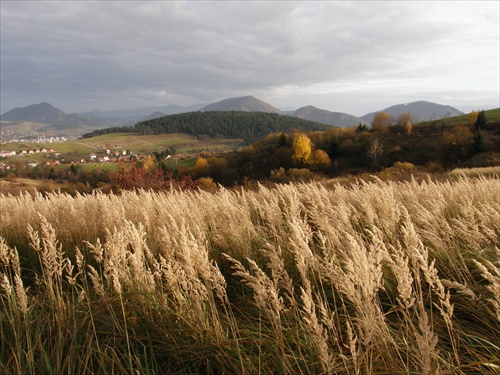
column 105, row 156
column 10, row 137
column 110, row 157
column 33, row 151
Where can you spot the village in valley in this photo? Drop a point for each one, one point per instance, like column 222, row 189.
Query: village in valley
column 20, row 158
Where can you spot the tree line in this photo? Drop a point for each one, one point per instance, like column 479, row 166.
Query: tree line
column 302, row 155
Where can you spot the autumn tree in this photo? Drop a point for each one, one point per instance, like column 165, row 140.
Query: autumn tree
column 319, row 161
column 149, row 162
column 405, row 121
column 473, row 117
column 302, row 148
column 201, row 168
column 382, row 121
column 456, row 144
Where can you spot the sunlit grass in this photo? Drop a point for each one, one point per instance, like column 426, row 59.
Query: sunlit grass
column 377, row 277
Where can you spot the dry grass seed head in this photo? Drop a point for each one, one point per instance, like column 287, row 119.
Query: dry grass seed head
column 264, row 291
column 21, row 297
column 5, row 286
column 491, row 272
column 317, row 331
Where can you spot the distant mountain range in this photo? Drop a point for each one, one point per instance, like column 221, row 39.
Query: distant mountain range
column 96, row 119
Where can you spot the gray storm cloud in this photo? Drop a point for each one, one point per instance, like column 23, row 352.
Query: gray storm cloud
column 341, row 56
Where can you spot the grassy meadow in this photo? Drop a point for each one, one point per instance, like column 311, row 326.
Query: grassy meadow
column 139, row 144
column 184, row 143
column 318, row 278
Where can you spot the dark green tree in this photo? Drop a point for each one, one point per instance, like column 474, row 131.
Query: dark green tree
column 333, row 149
column 361, row 128
column 480, row 120
column 283, row 140
column 478, row 144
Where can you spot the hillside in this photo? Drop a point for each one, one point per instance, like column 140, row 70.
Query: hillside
column 249, row 126
column 42, row 113
column 244, row 103
column 420, row 111
column 326, row 117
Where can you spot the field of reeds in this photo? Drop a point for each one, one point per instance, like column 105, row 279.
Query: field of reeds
column 373, row 278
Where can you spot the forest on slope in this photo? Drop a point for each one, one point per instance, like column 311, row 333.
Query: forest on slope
column 249, row 126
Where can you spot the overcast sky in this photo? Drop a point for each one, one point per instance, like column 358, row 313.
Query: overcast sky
column 343, row 56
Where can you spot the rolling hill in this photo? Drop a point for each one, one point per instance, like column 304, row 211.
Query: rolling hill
column 326, row 117
column 249, row 126
column 420, row 111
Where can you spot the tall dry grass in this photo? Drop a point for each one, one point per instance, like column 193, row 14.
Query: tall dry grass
column 308, row 278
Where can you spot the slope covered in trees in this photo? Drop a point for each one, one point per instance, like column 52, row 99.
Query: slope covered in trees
column 249, row 126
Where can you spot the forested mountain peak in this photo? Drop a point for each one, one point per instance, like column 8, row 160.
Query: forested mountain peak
column 249, row 126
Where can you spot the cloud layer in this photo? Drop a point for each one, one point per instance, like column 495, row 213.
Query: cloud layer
column 351, row 57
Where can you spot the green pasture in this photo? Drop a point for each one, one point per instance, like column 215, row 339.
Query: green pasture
column 146, row 144
column 492, row 116
column 184, row 144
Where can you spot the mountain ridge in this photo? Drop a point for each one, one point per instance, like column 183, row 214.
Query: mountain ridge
column 97, row 119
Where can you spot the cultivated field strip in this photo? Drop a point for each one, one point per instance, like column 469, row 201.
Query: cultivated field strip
column 312, row 278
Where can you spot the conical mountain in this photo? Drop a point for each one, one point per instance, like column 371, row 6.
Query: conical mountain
column 244, row 103
column 43, row 113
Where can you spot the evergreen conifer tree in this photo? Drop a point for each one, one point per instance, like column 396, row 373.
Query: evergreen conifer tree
column 480, row 120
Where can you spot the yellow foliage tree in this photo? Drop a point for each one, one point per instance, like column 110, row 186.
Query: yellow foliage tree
column 408, row 128
column 382, row 121
column 302, row 148
column 201, row 168
column 405, row 121
column 473, row 117
column 319, row 161
column 149, row 163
